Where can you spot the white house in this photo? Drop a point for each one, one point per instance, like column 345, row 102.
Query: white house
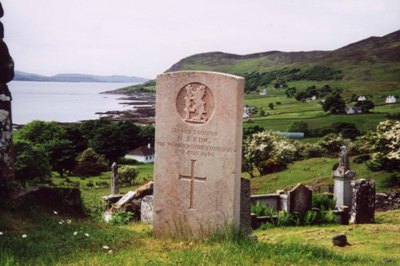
column 391, row 99
column 143, row 154
column 263, row 92
column 361, row 98
column 352, row 110
column 246, row 112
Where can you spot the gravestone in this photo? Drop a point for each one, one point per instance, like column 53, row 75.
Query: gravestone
column 198, row 153
column 363, row 203
column 114, row 179
column 343, row 176
column 6, row 148
column 245, row 205
column 299, row 199
column 146, row 210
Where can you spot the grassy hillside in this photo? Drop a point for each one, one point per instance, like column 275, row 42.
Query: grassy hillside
column 370, row 66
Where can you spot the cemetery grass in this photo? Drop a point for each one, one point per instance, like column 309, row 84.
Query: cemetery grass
column 49, row 243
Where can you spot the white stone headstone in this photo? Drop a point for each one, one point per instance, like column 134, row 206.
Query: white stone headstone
column 146, row 209
column 198, row 153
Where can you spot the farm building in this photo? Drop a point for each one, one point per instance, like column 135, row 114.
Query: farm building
column 143, row 154
column 391, row 99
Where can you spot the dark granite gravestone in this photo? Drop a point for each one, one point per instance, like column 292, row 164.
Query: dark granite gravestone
column 299, row 199
column 363, row 203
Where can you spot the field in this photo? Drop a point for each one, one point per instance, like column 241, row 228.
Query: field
column 289, row 110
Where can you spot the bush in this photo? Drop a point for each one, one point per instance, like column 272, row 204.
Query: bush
column 128, row 161
column 295, row 219
column 90, row 164
column 127, row 175
column 298, row 126
column 270, row 166
column 261, row 209
column 391, row 181
column 331, row 144
column 323, row 202
column 309, row 150
column 385, row 144
column 361, row 158
column 90, row 183
column 121, row 218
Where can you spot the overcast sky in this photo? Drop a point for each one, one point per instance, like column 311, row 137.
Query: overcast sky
column 145, row 37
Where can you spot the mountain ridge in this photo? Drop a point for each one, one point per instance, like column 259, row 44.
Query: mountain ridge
column 77, row 77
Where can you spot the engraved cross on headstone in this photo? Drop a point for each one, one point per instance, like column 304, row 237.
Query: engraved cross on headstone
column 192, row 178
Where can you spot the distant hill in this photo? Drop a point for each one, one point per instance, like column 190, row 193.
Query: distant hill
column 370, row 66
column 24, row 76
column 351, row 59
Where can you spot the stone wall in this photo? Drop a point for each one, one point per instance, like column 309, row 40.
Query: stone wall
column 6, row 149
column 387, row 201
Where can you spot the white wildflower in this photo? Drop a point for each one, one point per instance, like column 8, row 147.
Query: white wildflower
column 55, row 212
column 110, row 251
column 24, row 236
column 60, row 222
column 69, row 221
column 75, row 233
column 86, row 234
column 1, row 233
column 106, row 247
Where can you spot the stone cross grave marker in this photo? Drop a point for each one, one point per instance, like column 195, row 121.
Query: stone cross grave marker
column 198, row 153
column 114, row 179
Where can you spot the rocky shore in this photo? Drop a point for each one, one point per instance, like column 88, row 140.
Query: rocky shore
column 142, row 112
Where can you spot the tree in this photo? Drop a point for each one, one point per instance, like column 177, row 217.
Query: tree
column 347, row 130
column 365, row 105
column 39, row 132
column 62, row 155
column 31, row 161
column 264, row 146
column 298, row 126
column 334, row 104
column 271, row 106
column 90, row 164
column 385, row 145
column 62, row 143
column 260, row 112
column 113, row 140
column 290, row 92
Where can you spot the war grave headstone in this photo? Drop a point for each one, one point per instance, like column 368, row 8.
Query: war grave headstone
column 198, row 153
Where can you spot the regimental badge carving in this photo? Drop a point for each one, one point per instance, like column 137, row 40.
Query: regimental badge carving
column 195, row 103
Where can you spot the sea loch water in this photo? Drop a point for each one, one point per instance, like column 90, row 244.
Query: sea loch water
column 62, row 101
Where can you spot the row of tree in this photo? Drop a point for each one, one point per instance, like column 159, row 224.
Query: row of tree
column 42, row 147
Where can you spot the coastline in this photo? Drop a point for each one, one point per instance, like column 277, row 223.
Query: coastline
column 142, row 112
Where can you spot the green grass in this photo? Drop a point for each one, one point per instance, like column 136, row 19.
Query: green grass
column 311, row 171
column 49, row 243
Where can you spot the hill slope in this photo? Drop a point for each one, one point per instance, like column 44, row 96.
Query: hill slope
column 24, row 76
column 367, row 67
column 371, row 53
